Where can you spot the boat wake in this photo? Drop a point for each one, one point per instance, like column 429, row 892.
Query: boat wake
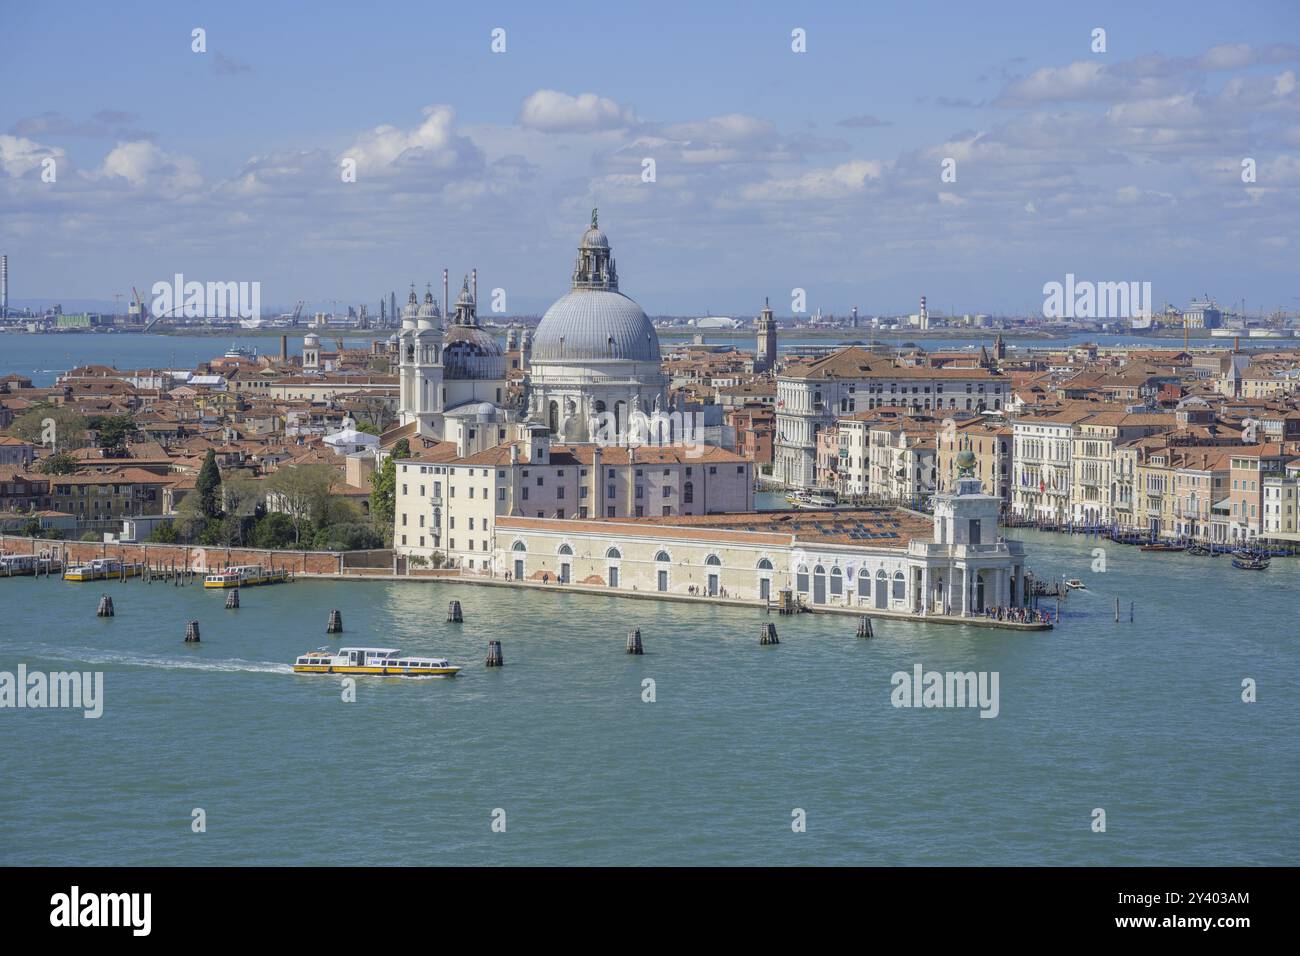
column 230, row 665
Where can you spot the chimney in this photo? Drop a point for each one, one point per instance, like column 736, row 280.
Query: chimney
column 4, row 286
column 284, row 349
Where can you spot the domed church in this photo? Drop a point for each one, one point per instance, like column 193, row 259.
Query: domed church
column 595, row 351
column 450, row 378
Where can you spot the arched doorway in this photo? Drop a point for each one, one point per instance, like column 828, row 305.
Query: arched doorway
column 566, row 563
column 612, row 557
column 519, row 550
column 714, row 566
column 661, row 572
column 819, row 585
column 882, row 589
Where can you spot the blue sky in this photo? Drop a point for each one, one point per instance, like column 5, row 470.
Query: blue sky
column 774, row 170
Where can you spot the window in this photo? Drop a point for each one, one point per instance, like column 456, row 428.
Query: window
column 611, row 492
column 900, row 586
column 660, row 556
column 559, row 493
column 614, row 553
column 688, row 491
column 524, row 492
column 668, row 492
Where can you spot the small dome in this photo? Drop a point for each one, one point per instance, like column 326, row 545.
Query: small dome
column 593, row 238
column 472, row 352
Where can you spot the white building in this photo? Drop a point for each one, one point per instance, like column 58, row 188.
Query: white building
column 595, row 352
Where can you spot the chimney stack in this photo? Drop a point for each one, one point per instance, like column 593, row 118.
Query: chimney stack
column 284, row 349
column 4, row 286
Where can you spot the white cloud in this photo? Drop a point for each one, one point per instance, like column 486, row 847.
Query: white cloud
column 144, row 164
column 434, row 143
column 844, row 180
column 554, row 112
column 19, row 155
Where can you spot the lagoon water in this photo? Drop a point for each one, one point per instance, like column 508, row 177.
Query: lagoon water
column 1144, row 720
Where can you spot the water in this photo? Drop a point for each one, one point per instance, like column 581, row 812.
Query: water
column 43, row 357
column 1143, row 720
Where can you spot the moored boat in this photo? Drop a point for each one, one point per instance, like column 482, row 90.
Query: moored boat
column 381, row 661
column 102, row 569
column 1158, row 546
column 1074, row 584
column 244, row 575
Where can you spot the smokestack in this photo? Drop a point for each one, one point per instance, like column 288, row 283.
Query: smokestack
column 284, row 349
column 4, row 286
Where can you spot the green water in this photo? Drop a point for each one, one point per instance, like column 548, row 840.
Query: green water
column 1144, row 720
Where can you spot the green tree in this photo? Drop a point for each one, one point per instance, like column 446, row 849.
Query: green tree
column 31, row 528
column 302, row 492
column 383, row 494
column 208, row 486
column 275, row 530
column 60, row 463
column 44, row 422
column 164, row 533
column 113, row 431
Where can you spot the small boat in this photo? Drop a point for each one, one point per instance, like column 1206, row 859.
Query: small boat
column 1157, row 546
column 813, row 501
column 382, row 661
column 103, row 569
column 1199, row 550
column 1074, row 584
column 244, row 575
column 1250, row 564
column 16, row 564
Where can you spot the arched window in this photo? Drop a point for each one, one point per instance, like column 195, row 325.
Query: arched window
column 553, row 417
column 662, row 556
column 900, row 586
column 614, row 553
column 565, row 549
column 801, row 579
column 688, row 493
column 518, row 546
column 764, row 564
column 837, row 581
column 713, row 559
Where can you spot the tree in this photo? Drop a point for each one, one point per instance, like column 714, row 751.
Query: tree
column 302, row 493
column 347, row 536
column 208, row 486
column 383, row 495
column 164, row 533
column 60, row 463
column 241, row 498
column 31, row 528
column 52, row 426
column 274, row 531
column 113, row 431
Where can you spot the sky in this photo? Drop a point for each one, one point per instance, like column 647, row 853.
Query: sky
column 911, row 148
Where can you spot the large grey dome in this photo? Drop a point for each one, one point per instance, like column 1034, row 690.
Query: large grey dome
column 594, row 324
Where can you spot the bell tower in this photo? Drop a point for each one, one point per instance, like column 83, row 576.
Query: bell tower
column 765, row 356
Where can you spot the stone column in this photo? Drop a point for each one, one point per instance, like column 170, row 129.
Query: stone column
column 965, row 590
column 925, row 590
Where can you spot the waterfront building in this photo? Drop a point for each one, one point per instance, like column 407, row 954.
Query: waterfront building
column 1281, row 507
column 872, row 559
column 1092, row 457
column 812, row 395
column 1042, row 447
column 449, row 503
column 1250, row 468
column 1200, row 482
